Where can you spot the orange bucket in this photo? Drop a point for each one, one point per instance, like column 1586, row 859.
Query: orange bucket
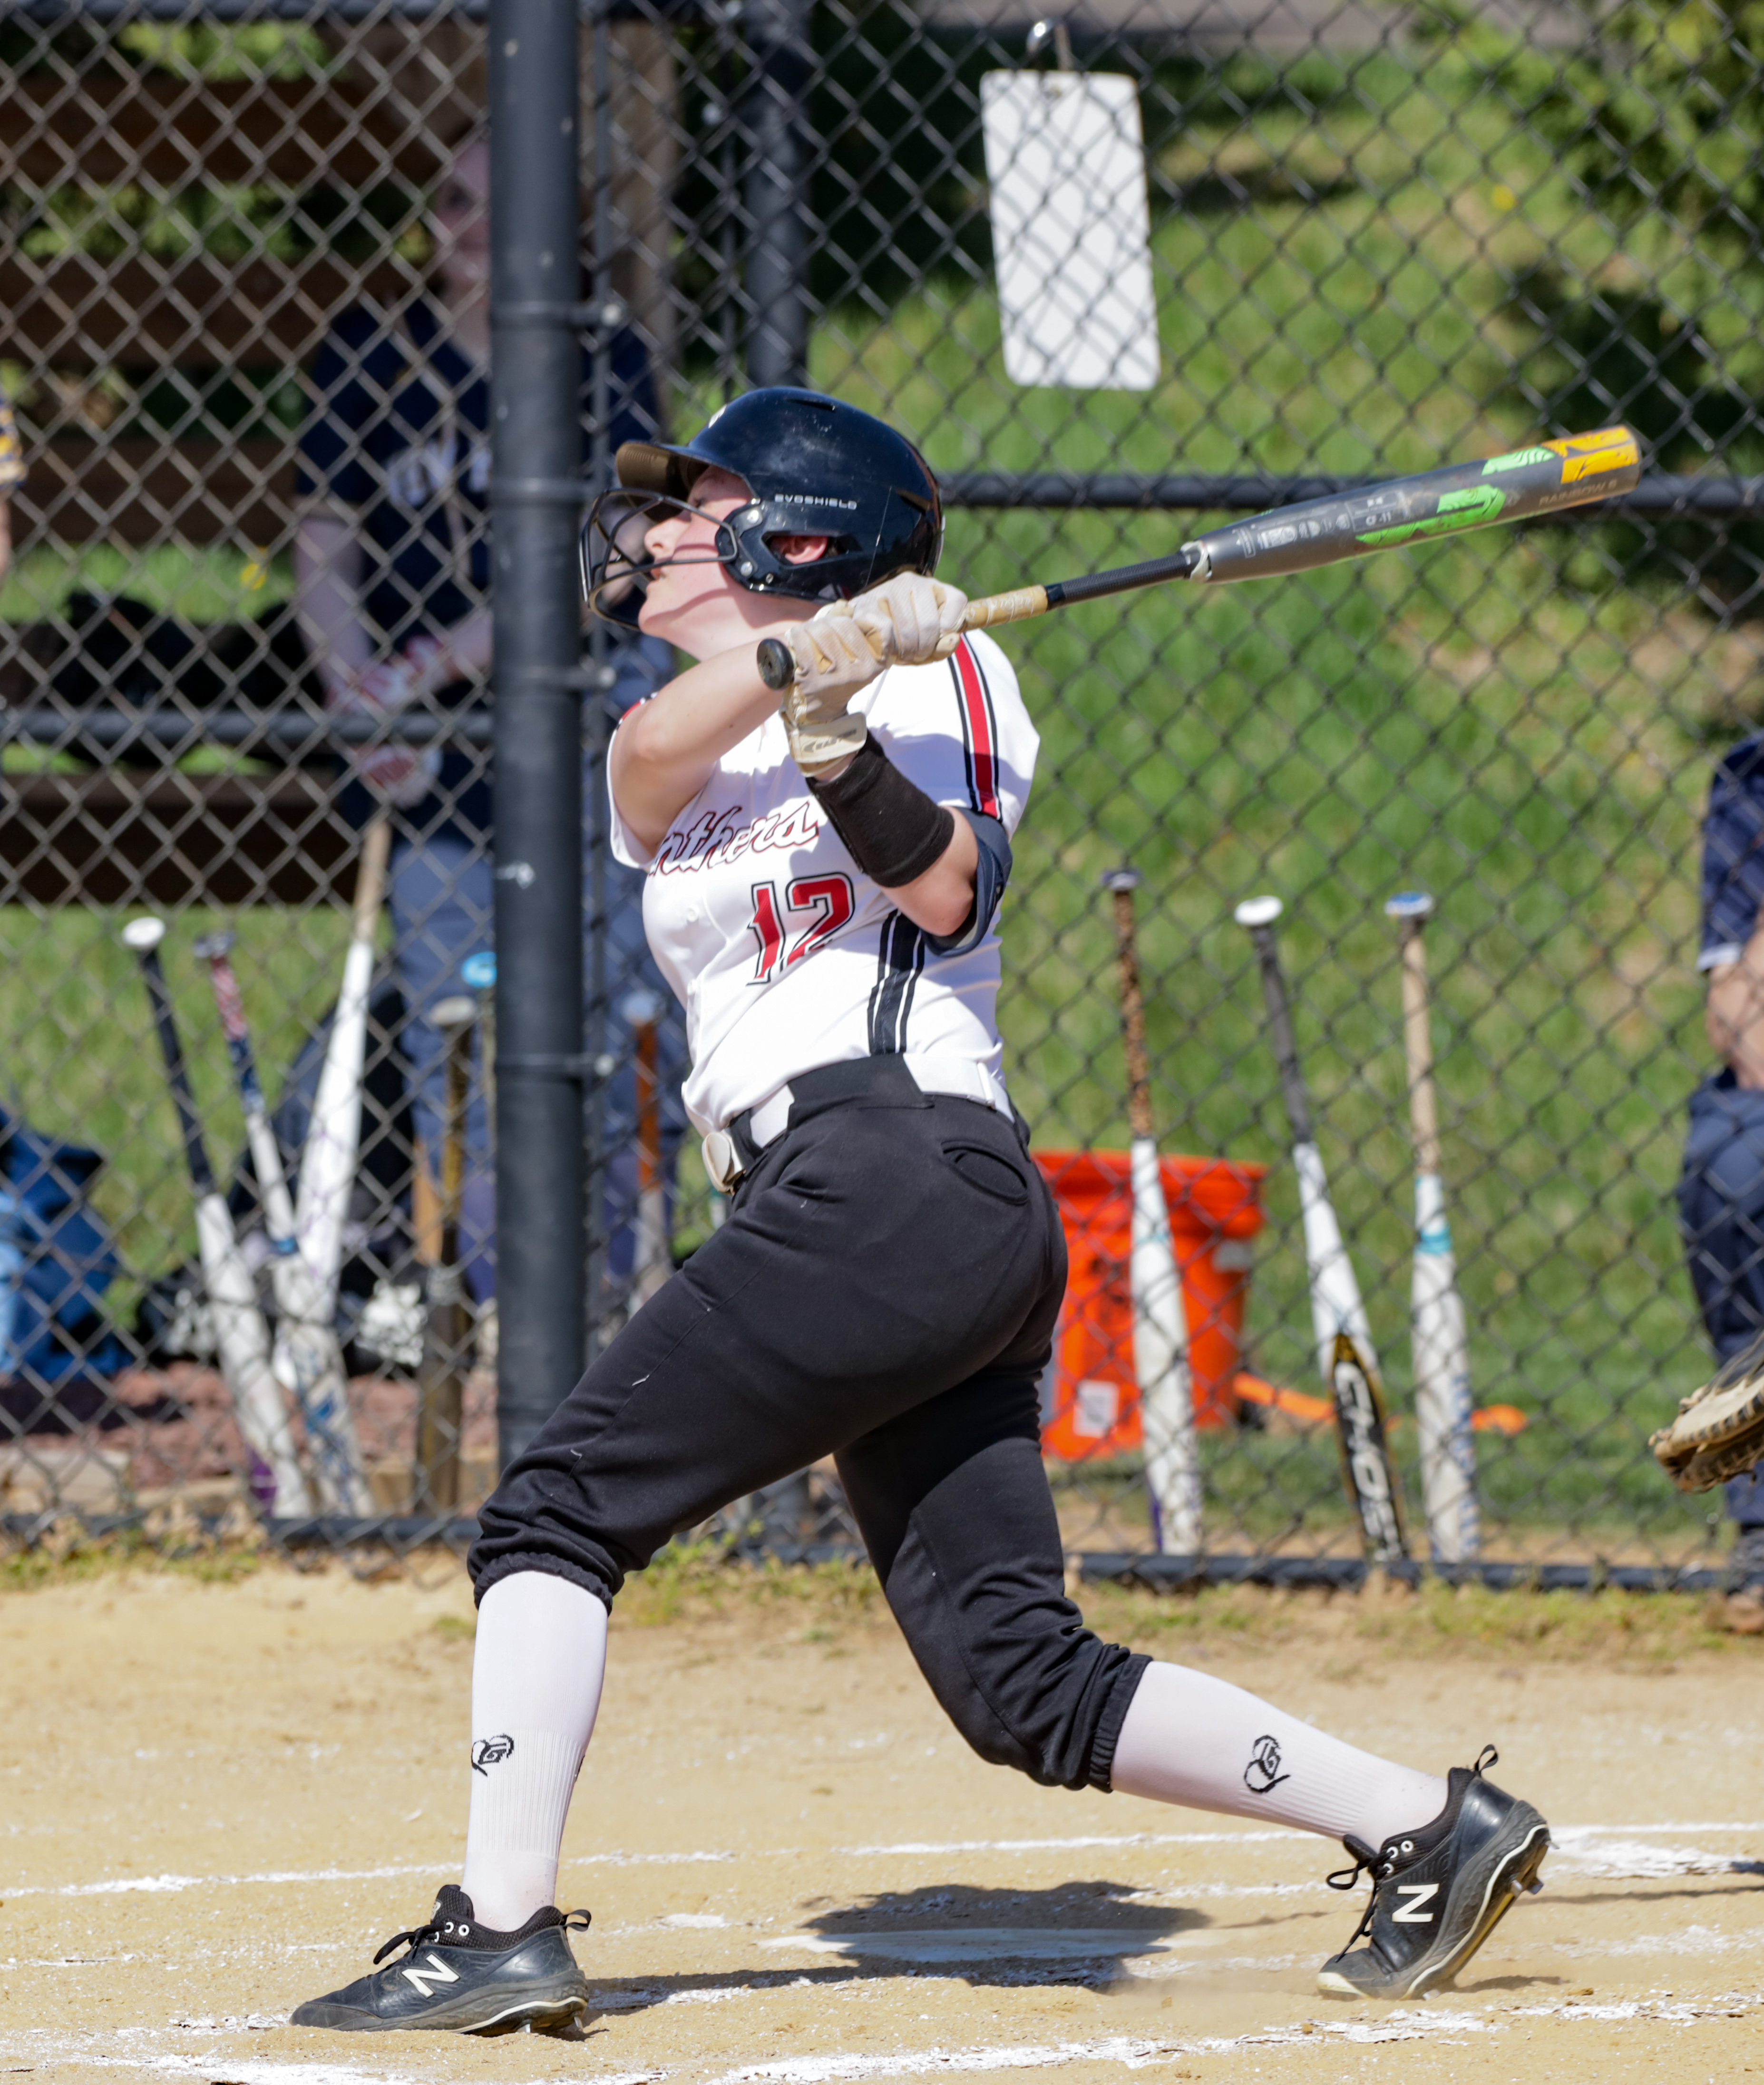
column 1215, row 1210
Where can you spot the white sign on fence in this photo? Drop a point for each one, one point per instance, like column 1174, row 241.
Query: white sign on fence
column 1071, row 230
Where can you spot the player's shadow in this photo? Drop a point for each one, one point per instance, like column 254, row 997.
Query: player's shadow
column 1080, row 1932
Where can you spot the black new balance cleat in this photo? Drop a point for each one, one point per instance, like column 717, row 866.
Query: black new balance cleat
column 462, row 1976
column 1439, row 1893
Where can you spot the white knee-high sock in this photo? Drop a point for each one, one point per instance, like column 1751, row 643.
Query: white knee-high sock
column 1190, row 1739
column 536, row 1679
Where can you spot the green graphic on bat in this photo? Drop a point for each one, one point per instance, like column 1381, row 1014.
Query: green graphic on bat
column 1514, row 459
column 1469, row 509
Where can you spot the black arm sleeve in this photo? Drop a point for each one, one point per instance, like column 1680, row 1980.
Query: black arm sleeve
column 891, row 829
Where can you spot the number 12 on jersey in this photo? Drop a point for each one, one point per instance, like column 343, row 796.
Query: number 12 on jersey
column 828, row 900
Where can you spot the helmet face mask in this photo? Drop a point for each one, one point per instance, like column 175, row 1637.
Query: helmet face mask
column 616, row 567
column 812, row 467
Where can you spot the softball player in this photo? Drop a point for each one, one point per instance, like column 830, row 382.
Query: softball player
column 822, row 890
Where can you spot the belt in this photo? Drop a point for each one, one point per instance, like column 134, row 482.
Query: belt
column 730, row 1154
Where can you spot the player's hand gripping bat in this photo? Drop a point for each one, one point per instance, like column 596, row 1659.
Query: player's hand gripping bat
column 1443, row 1412
column 1345, row 1355
column 333, row 1143
column 1553, row 476
column 241, row 1334
column 308, row 1359
column 1160, row 1325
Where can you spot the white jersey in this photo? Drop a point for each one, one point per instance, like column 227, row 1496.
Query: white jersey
column 784, row 955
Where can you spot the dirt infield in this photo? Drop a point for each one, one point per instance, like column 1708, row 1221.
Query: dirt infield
column 218, row 1798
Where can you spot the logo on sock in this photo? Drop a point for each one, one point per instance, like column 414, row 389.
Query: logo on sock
column 1263, row 1773
column 491, row 1752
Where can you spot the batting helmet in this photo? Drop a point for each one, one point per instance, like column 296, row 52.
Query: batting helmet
column 815, row 467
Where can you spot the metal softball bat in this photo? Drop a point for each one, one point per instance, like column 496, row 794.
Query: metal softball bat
column 1573, row 472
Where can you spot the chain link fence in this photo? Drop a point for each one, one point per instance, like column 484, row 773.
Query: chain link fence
column 240, row 333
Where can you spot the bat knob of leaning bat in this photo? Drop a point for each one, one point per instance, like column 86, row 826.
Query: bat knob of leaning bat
column 776, row 662
column 447, row 1014
column 1258, row 911
column 1410, row 905
column 1124, row 878
column 142, row 935
column 213, row 945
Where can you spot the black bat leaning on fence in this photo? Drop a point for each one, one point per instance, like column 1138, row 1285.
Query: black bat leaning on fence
column 1572, row 472
column 240, row 1335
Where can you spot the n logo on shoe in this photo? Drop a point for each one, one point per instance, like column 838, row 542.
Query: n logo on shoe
column 437, row 1972
column 1412, row 1914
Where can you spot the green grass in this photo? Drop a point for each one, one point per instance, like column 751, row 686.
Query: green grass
column 224, row 584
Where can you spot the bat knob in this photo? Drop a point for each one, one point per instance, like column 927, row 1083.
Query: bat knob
column 211, row 946
column 1124, row 878
column 458, row 1012
column 1258, row 911
column 1410, row 905
column 777, row 663
column 142, row 935
column 640, row 1009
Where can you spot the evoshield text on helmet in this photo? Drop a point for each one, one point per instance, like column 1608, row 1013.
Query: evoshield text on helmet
column 814, row 466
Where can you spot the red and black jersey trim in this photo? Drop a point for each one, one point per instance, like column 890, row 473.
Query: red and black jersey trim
column 980, row 728
column 899, row 960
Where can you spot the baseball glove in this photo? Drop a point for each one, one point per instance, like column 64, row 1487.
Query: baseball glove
column 1718, row 1433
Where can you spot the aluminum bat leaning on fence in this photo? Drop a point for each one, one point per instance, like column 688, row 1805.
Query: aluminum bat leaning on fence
column 308, row 1356
column 240, row 1335
column 1345, row 1355
column 1160, row 1321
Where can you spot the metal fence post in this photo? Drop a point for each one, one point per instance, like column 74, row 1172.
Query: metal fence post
column 776, row 122
column 535, row 498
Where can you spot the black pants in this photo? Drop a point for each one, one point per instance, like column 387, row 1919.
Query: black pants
column 886, row 1289
column 1721, row 1202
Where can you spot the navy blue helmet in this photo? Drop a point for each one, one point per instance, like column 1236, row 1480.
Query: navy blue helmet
column 815, row 467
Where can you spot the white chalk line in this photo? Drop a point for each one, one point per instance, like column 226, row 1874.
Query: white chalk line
column 1131, row 2053
column 1569, row 1839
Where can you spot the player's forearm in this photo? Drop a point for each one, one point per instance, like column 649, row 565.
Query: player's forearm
column 471, row 644
column 665, row 750
column 327, row 572
column 1734, row 1015
column 941, row 899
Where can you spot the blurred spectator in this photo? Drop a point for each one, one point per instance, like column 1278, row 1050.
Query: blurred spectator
column 1721, row 1192
column 11, row 473
column 393, row 567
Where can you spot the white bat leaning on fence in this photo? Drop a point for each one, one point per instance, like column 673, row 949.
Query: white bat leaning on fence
column 308, row 1359
column 1160, row 1322
column 332, row 1146
column 1443, row 1411
column 1345, row 1359
column 240, row 1335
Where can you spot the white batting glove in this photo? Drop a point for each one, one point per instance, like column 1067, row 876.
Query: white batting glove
column 835, row 659
column 912, row 618
column 908, row 621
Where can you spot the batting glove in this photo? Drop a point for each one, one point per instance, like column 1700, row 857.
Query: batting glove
column 911, row 619
column 909, row 622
